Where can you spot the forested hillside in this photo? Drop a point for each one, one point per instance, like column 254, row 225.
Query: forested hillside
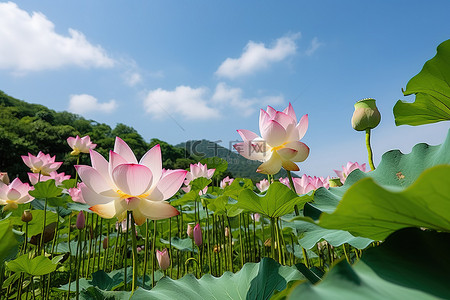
column 26, row 127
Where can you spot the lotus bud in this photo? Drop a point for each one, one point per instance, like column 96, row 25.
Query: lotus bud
column 4, row 177
column 139, row 249
column 335, row 182
column 198, row 239
column 163, row 259
column 105, row 243
column 227, row 232
column 190, row 230
column 366, row 115
column 80, row 220
column 27, row 216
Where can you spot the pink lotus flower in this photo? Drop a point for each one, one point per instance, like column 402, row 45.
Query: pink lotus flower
column 198, row 239
column 42, row 163
column 263, row 185
column 279, row 144
column 226, row 182
column 305, row 184
column 76, row 194
column 80, row 145
column 196, row 171
column 163, row 259
column 59, row 177
column 122, row 184
column 348, row 169
column 14, row 194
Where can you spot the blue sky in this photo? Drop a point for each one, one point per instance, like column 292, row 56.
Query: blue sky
column 180, row 70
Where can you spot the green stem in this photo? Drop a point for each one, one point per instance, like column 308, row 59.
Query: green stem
column 291, row 183
column 305, row 257
column 272, row 237
column 125, row 253
column 369, row 150
column 153, row 253
column 240, row 241
column 345, row 253
column 146, row 251
column 43, row 228
column 208, row 249
column 135, row 257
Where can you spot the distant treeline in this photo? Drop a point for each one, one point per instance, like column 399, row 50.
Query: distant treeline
column 26, row 127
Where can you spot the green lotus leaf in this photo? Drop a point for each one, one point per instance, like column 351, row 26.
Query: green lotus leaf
column 46, row 189
column 395, row 170
column 410, row 264
column 253, row 281
column 278, row 201
column 372, row 211
column 9, row 244
column 432, row 89
column 312, row 233
column 39, row 265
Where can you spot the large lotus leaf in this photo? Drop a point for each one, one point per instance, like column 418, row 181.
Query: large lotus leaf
column 432, row 89
column 39, row 265
column 369, row 210
column 253, row 281
column 180, row 244
column 410, row 264
column 8, row 244
column 278, row 201
column 311, row 233
column 46, row 189
column 395, row 169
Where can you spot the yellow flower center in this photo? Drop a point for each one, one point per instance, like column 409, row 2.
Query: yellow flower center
column 278, row 147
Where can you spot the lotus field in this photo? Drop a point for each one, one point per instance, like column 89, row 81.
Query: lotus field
column 125, row 227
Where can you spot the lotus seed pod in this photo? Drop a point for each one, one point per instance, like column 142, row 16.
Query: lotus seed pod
column 335, row 182
column 366, row 115
column 27, row 216
column 4, row 177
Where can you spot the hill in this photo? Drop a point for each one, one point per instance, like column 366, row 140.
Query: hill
column 26, row 127
column 238, row 165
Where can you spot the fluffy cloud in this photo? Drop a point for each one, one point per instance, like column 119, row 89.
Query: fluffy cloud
column 256, row 56
column 230, row 97
column 83, row 103
column 190, row 103
column 132, row 78
column 315, row 44
column 30, row 43
column 200, row 104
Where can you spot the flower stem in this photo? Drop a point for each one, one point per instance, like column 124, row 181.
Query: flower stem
column 135, row 257
column 153, row 253
column 369, row 150
column 291, row 183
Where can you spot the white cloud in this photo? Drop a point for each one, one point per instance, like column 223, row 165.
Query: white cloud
column 30, row 43
column 315, row 44
column 257, row 57
column 190, row 103
column 226, row 97
column 83, row 103
column 199, row 104
column 132, row 78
